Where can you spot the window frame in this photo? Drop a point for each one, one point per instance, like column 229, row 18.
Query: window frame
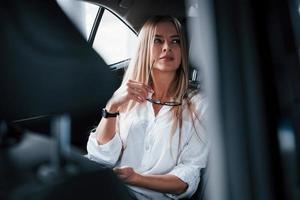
column 97, row 21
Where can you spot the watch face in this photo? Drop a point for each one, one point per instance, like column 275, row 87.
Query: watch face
column 106, row 114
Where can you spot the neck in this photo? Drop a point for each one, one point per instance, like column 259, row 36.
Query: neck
column 162, row 82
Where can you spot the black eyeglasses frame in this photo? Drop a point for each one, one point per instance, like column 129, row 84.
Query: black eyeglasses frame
column 157, row 101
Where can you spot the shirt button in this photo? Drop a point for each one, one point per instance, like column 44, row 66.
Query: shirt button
column 147, row 148
column 145, row 125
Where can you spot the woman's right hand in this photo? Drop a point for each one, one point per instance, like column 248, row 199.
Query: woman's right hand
column 131, row 90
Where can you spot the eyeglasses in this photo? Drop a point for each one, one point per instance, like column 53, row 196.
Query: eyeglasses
column 167, row 103
column 157, row 101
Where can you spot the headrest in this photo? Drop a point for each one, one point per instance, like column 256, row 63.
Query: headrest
column 46, row 65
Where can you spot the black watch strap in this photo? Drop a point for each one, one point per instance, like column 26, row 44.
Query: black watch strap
column 107, row 114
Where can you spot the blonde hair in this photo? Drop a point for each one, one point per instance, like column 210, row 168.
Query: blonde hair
column 140, row 66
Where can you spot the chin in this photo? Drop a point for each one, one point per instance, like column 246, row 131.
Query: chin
column 167, row 67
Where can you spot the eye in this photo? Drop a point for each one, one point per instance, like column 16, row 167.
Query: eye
column 158, row 41
column 176, row 41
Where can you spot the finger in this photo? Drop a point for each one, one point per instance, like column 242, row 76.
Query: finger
column 123, row 177
column 141, row 95
column 133, row 81
column 137, row 98
column 138, row 90
column 118, row 170
column 136, row 87
column 115, row 169
column 140, row 85
column 137, row 93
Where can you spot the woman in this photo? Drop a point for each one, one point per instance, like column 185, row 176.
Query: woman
column 152, row 129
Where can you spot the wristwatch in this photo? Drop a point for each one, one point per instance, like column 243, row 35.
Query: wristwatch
column 107, row 114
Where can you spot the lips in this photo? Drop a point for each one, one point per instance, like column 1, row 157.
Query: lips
column 166, row 58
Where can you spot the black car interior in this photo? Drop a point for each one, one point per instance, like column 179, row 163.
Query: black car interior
column 53, row 86
column 48, row 71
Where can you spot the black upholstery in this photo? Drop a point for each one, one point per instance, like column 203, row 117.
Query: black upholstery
column 22, row 172
column 47, row 68
column 46, row 65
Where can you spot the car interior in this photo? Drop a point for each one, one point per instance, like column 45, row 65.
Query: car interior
column 62, row 60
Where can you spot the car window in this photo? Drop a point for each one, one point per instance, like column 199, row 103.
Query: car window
column 114, row 40
column 82, row 14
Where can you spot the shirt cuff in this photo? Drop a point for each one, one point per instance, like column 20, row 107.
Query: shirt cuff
column 189, row 175
column 108, row 153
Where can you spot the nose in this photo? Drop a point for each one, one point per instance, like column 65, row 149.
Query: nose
column 166, row 47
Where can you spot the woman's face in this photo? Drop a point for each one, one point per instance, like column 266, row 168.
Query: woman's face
column 166, row 48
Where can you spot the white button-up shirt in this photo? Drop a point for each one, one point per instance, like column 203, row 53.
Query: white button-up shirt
column 149, row 147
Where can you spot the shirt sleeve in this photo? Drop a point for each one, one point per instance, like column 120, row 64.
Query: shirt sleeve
column 107, row 153
column 191, row 161
column 193, row 157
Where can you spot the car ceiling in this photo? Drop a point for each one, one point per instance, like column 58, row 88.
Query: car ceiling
column 135, row 12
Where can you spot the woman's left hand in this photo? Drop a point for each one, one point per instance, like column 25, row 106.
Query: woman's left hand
column 162, row 183
column 127, row 174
